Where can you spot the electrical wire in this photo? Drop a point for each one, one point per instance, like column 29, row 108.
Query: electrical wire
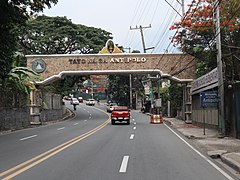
column 159, row 35
column 215, row 6
column 173, row 37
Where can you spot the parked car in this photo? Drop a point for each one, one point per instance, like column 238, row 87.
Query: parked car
column 120, row 113
column 74, row 101
column 110, row 106
column 90, row 102
column 80, row 99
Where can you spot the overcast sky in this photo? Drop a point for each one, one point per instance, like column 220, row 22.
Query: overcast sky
column 116, row 17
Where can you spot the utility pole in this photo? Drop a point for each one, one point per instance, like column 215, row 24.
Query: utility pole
column 144, row 50
column 183, row 8
column 221, row 122
column 130, row 93
column 129, row 49
column 141, row 31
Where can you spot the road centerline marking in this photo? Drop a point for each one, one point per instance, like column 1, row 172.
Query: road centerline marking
column 132, row 136
column 124, row 164
column 29, row 137
column 75, row 124
column 134, row 128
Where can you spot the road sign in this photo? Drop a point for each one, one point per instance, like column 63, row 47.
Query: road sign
column 209, row 99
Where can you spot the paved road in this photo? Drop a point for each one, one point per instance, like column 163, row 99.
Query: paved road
column 89, row 148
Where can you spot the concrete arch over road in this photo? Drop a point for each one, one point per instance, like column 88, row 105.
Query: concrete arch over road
column 62, row 74
column 178, row 67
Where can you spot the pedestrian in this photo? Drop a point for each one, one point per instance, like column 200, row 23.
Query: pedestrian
column 74, row 107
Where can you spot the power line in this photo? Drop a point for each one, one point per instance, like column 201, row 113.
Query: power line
column 173, row 37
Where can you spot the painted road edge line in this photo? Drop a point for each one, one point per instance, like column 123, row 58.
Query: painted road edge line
column 200, row 154
column 29, row 137
column 124, row 164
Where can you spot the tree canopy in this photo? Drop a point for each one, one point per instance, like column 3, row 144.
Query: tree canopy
column 58, row 35
column 196, row 34
column 15, row 80
column 15, row 12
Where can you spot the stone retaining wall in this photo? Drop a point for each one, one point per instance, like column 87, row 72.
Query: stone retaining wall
column 19, row 118
column 14, row 118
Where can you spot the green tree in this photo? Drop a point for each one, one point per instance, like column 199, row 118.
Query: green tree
column 118, row 88
column 175, row 96
column 15, row 12
column 196, row 35
column 58, row 35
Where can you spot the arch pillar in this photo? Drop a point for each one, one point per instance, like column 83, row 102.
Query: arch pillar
column 35, row 106
column 187, row 103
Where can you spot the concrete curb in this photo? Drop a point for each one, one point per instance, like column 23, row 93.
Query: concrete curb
column 71, row 114
column 229, row 159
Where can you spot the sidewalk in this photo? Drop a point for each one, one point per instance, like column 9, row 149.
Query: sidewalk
column 227, row 148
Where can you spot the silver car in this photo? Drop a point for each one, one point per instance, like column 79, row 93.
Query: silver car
column 90, row 102
column 74, row 101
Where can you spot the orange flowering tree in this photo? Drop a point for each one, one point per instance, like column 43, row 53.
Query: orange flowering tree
column 196, row 33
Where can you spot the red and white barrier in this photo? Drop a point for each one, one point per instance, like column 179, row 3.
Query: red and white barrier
column 156, row 119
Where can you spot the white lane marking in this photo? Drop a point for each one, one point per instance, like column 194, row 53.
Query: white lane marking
column 88, row 111
column 90, row 117
column 124, row 164
column 132, row 136
column 204, row 157
column 85, row 120
column 84, row 109
column 134, row 123
column 61, row 128
column 133, row 119
column 134, row 128
column 90, row 114
column 29, row 137
column 75, row 124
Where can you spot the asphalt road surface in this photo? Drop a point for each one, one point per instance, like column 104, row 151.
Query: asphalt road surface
column 88, row 147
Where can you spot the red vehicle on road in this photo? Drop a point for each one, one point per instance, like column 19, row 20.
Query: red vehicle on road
column 120, row 113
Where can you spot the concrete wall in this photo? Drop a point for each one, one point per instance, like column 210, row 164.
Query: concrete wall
column 210, row 116
column 53, row 108
column 19, row 118
column 14, row 118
